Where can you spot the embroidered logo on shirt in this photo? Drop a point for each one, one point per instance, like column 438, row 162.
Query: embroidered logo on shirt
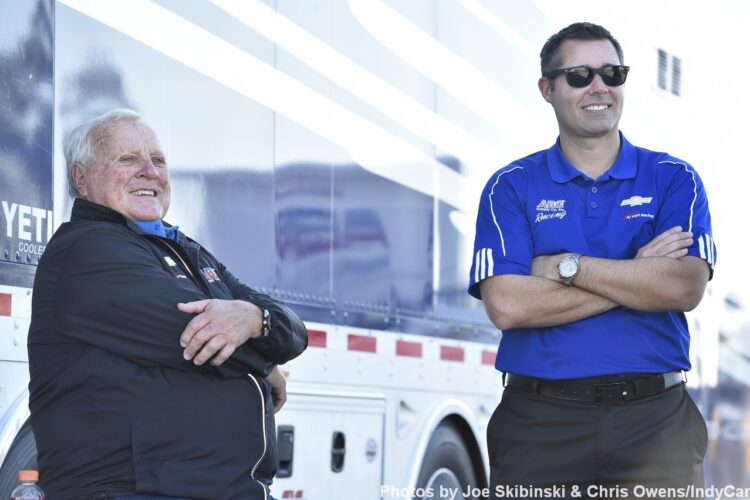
column 550, row 209
column 210, row 274
column 634, row 214
column 635, row 201
column 547, row 205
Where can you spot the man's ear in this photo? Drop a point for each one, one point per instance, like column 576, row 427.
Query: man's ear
column 79, row 178
column 545, row 88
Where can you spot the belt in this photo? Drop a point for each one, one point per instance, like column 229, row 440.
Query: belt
column 597, row 390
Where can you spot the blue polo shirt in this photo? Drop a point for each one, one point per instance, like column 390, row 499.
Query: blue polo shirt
column 542, row 205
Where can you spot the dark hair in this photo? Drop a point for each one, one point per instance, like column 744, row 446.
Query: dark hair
column 550, row 55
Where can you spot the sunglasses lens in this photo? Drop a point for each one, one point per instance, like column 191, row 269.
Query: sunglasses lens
column 579, row 77
column 614, row 76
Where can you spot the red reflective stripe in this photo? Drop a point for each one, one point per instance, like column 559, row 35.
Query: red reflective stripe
column 362, row 343
column 406, row 348
column 317, row 338
column 5, row 303
column 488, row 357
column 448, row 353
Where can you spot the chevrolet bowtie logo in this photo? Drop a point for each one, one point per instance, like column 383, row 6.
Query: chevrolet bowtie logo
column 635, row 201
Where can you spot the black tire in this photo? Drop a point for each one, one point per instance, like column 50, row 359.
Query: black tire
column 21, row 456
column 447, row 463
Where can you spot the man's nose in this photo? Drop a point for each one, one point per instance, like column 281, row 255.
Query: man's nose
column 598, row 86
column 148, row 170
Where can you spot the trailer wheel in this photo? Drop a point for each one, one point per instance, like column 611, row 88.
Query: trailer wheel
column 21, row 455
column 447, row 463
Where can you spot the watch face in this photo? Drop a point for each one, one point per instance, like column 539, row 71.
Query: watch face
column 568, row 268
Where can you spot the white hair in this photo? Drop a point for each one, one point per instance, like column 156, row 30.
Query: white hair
column 79, row 143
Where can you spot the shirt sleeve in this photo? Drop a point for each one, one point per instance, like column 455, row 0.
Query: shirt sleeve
column 503, row 241
column 685, row 204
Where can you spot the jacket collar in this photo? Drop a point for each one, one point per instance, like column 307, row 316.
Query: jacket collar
column 88, row 210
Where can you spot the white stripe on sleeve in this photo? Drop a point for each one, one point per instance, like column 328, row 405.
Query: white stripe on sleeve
column 492, row 208
column 490, row 263
column 476, row 267
column 695, row 190
column 702, row 248
column 483, row 259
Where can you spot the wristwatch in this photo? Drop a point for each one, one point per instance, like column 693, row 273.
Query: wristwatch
column 568, row 268
column 266, row 327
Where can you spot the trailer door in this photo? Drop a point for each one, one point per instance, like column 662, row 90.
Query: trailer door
column 330, row 446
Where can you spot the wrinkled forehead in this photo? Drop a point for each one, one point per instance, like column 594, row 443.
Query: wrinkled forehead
column 124, row 136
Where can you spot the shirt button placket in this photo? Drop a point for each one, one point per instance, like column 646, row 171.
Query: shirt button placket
column 593, row 204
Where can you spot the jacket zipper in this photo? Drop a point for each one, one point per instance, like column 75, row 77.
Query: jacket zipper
column 263, row 426
column 257, row 385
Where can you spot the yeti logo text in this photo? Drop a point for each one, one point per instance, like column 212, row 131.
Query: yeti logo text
column 635, row 201
column 21, row 217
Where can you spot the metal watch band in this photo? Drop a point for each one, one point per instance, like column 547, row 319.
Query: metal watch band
column 266, row 329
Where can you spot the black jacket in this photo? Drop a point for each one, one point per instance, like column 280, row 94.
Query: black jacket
column 115, row 408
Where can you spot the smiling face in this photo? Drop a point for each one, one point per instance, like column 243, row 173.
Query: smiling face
column 130, row 174
column 590, row 112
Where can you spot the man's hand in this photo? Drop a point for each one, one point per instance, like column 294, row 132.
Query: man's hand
column 671, row 243
column 219, row 327
column 278, row 388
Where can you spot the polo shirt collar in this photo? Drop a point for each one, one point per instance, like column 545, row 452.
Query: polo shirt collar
column 561, row 170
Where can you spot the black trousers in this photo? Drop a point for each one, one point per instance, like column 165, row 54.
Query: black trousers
column 545, row 447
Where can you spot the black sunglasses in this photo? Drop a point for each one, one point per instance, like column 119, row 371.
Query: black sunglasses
column 582, row 76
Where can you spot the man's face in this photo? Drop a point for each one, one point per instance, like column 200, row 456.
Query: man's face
column 130, row 174
column 592, row 111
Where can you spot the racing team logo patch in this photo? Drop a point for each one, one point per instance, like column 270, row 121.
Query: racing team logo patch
column 210, row 274
column 550, row 209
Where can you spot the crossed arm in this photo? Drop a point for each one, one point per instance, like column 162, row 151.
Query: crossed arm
column 128, row 306
column 222, row 326
column 661, row 277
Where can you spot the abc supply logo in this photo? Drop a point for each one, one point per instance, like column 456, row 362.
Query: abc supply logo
column 550, row 209
column 25, row 231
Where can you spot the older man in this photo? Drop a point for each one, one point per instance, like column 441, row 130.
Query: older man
column 586, row 255
column 151, row 364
